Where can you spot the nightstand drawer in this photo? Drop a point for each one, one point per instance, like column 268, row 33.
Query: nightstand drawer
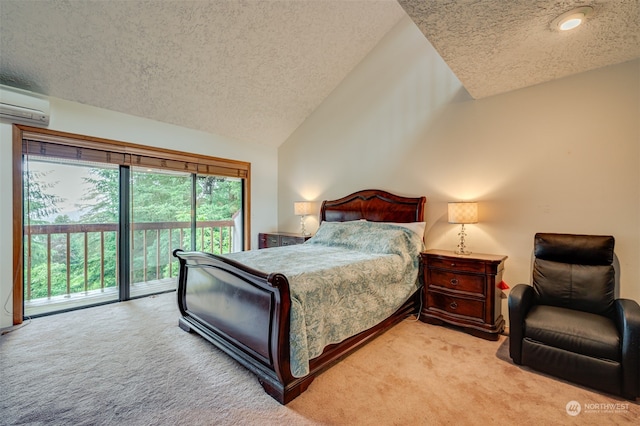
column 454, row 264
column 290, row 241
column 279, row 239
column 460, row 282
column 454, row 305
column 272, row 241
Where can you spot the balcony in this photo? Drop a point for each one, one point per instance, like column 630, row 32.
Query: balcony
column 73, row 265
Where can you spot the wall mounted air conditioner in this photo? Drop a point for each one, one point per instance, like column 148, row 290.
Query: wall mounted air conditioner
column 22, row 106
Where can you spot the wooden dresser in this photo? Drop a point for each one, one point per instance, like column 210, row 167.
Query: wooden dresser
column 461, row 290
column 278, row 239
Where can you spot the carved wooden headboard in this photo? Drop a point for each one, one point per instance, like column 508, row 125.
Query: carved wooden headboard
column 375, row 206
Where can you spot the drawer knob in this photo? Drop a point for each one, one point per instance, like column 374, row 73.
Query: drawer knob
column 453, row 264
column 453, row 305
column 454, row 281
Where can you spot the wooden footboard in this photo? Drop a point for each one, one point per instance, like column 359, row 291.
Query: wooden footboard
column 243, row 312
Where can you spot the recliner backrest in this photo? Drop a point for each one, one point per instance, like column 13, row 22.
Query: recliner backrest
column 575, row 271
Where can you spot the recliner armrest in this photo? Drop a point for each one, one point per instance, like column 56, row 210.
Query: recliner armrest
column 628, row 322
column 520, row 301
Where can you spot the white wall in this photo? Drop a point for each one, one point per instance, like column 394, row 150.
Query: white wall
column 81, row 119
column 557, row 157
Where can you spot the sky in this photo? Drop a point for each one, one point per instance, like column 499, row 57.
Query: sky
column 68, row 184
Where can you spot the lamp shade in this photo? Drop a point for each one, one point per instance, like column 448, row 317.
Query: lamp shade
column 302, row 208
column 463, row 212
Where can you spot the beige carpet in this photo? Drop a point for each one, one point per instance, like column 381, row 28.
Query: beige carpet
column 129, row 363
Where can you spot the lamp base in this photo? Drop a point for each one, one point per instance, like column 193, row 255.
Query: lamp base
column 303, row 231
column 462, row 248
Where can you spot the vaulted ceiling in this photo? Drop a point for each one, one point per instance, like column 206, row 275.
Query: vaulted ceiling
column 496, row 46
column 254, row 70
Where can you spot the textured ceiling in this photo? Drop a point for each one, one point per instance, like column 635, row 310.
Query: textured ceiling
column 250, row 70
column 254, row 70
column 498, row 46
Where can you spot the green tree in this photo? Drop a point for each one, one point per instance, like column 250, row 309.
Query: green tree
column 39, row 204
column 103, row 195
column 160, row 197
column 218, row 198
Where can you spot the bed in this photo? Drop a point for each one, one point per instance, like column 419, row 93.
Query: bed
column 245, row 304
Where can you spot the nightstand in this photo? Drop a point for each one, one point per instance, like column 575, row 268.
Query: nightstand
column 279, row 239
column 461, row 290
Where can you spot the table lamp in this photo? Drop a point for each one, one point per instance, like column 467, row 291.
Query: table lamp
column 302, row 209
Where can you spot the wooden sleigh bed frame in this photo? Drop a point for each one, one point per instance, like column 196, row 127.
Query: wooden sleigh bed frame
column 246, row 313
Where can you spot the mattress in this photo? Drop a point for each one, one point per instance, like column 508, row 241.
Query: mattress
column 347, row 278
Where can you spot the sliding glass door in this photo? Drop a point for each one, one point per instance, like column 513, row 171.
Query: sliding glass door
column 73, row 216
column 97, row 221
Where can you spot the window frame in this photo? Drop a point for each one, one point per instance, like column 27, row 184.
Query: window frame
column 69, row 145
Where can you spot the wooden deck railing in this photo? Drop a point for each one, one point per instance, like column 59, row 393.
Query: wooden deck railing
column 144, row 236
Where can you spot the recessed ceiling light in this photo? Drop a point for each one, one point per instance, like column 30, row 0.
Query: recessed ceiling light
column 571, row 19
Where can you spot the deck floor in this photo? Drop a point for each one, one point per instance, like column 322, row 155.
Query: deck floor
column 47, row 305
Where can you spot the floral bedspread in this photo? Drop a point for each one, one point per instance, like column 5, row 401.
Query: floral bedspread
column 344, row 280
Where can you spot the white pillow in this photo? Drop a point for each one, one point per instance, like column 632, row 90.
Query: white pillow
column 417, row 227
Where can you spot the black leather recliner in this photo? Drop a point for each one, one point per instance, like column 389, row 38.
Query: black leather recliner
column 569, row 323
